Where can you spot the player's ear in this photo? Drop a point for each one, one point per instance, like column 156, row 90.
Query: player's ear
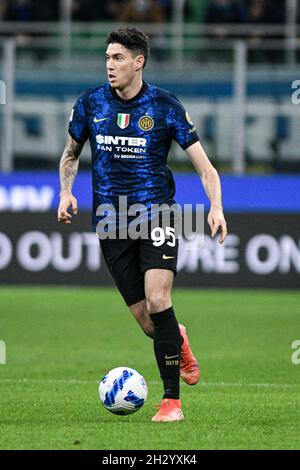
column 139, row 62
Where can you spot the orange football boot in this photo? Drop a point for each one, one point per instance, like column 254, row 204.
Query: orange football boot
column 189, row 368
column 170, row 410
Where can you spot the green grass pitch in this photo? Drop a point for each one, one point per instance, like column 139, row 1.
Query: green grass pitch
column 61, row 341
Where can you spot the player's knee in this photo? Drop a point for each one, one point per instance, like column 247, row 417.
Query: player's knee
column 158, row 301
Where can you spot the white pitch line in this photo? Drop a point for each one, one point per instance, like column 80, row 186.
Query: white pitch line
column 92, row 382
column 49, row 381
column 245, row 385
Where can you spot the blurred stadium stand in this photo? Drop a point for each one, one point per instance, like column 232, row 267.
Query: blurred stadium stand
column 233, row 63
column 236, row 67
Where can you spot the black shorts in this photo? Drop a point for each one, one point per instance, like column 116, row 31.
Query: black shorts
column 128, row 260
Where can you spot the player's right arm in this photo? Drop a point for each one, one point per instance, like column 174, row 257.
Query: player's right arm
column 68, row 168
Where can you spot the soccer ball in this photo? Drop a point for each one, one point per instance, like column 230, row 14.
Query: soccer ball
column 123, row 391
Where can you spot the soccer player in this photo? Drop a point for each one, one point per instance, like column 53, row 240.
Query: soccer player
column 130, row 125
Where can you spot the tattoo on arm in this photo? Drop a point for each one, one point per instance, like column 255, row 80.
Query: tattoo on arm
column 69, row 163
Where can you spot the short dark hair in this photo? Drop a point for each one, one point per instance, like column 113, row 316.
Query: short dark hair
column 133, row 39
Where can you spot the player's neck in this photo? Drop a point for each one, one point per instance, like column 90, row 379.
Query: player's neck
column 131, row 91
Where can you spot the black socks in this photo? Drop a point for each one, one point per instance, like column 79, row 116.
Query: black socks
column 167, row 346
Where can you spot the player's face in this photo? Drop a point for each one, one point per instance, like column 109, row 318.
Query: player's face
column 121, row 66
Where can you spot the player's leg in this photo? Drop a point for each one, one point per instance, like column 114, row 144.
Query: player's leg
column 167, row 340
column 122, row 260
column 141, row 314
column 189, row 368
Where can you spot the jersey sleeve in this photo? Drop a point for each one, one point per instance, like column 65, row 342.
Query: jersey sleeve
column 181, row 124
column 78, row 125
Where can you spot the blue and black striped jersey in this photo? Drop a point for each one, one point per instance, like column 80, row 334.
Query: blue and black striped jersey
column 130, row 141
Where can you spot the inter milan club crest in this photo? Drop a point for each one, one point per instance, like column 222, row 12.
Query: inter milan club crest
column 123, row 120
column 146, row 123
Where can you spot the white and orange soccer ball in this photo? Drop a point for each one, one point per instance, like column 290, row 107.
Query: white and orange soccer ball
column 123, row 391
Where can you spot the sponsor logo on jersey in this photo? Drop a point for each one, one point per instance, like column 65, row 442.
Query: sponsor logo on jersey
column 123, row 120
column 72, row 115
column 146, row 123
column 121, row 140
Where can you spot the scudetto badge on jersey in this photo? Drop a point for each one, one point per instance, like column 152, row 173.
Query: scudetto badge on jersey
column 146, row 123
column 123, row 120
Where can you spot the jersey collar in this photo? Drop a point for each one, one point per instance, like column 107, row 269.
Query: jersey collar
column 136, row 97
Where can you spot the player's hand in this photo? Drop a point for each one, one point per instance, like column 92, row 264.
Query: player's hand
column 67, row 201
column 216, row 221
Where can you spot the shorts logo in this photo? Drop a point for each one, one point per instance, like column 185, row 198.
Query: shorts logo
column 146, row 123
column 123, row 120
column 167, row 257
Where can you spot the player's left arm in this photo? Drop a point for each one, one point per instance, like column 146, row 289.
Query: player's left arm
column 211, row 182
